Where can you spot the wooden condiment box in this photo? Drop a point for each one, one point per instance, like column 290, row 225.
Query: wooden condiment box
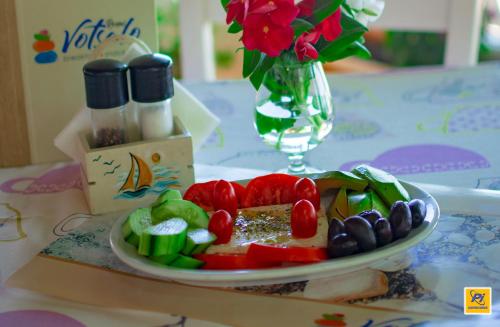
column 130, row 175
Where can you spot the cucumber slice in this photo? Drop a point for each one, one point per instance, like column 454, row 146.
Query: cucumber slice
column 186, row 262
column 167, row 195
column 198, row 240
column 168, row 237
column 195, row 216
column 164, row 259
column 136, row 223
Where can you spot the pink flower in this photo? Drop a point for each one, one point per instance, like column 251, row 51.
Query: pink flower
column 281, row 12
column 260, row 32
column 331, row 27
column 267, row 26
column 306, row 7
column 304, row 48
column 237, row 10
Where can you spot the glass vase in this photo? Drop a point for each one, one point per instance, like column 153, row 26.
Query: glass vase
column 294, row 111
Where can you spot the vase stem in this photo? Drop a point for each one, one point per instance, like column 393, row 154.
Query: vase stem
column 296, row 164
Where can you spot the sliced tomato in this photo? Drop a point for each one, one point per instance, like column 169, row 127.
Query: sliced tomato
column 269, row 253
column 221, row 224
column 304, row 219
column 240, row 191
column 230, row 261
column 270, row 189
column 329, row 323
column 202, row 194
column 305, row 189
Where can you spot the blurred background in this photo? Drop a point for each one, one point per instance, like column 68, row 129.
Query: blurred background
column 389, row 48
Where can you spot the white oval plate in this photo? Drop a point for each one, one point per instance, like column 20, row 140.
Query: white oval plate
column 234, row 278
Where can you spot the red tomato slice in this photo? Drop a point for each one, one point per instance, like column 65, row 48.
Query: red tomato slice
column 270, row 189
column 329, row 323
column 230, row 261
column 306, row 189
column 240, row 191
column 201, row 194
column 221, row 224
column 224, row 198
column 304, row 219
column 268, row 253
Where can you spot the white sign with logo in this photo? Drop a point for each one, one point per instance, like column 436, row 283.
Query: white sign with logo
column 57, row 38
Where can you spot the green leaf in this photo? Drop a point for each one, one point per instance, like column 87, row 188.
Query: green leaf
column 369, row 12
column 361, row 51
column 235, row 28
column 351, row 32
column 258, row 75
column 251, row 58
column 300, row 26
column 348, row 9
column 224, row 3
column 323, row 9
column 355, row 49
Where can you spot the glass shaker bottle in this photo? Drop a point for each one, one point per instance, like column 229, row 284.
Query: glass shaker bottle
column 151, row 81
column 107, row 96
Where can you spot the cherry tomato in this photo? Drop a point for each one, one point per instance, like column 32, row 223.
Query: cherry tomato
column 270, row 189
column 225, row 198
column 221, row 224
column 304, row 220
column 306, row 189
column 202, row 194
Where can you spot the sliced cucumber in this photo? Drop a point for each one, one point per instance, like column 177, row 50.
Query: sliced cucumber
column 164, row 259
column 195, row 216
column 186, row 262
column 168, row 237
column 135, row 224
column 167, row 195
column 198, row 240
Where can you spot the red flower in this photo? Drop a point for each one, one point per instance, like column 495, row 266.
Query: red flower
column 331, row 28
column 262, row 33
column 237, row 10
column 281, row 12
column 306, row 7
column 304, row 46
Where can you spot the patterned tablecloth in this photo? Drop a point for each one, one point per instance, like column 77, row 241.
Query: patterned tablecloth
column 436, row 126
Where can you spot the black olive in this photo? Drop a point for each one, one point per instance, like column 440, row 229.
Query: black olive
column 342, row 245
column 336, row 227
column 362, row 231
column 400, row 219
column 371, row 215
column 383, row 231
column 418, row 212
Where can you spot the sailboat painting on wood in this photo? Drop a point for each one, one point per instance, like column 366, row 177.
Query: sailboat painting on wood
column 144, row 179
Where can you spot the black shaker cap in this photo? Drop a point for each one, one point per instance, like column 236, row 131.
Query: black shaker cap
column 151, row 78
column 106, row 83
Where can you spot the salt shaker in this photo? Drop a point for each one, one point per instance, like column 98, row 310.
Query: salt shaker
column 151, row 81
column 107, row 95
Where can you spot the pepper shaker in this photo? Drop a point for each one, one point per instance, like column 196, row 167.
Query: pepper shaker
column 152, row 89
column 107, row 96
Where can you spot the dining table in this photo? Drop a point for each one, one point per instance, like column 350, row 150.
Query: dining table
column 437, row 127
